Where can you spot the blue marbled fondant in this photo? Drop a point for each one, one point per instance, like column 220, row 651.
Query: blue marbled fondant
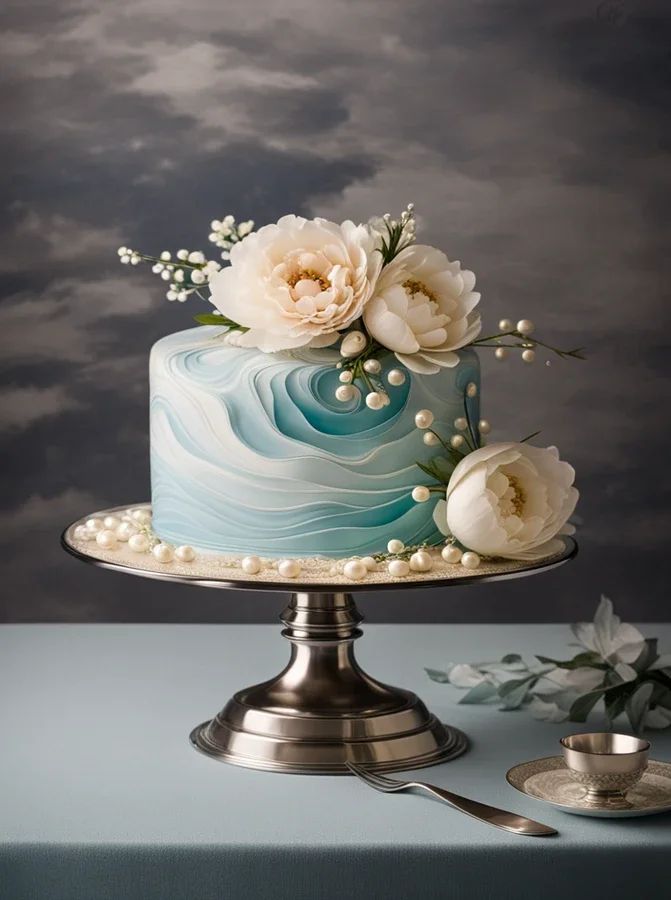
column 251, row 452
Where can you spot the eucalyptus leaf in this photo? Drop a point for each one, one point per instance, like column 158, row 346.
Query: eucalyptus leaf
column 638, row 704
column 481, row 693
column 513, row 693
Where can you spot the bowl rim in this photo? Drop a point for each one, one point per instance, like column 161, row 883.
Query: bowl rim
column 643, row 749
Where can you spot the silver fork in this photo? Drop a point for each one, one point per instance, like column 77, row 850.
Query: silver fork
column 500, row 818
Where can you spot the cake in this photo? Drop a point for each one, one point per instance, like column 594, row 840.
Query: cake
column 328, row 406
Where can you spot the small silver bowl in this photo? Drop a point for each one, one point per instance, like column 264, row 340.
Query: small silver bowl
column 605, row 764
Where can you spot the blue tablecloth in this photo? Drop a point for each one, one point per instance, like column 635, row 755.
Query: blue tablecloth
column 102, row 798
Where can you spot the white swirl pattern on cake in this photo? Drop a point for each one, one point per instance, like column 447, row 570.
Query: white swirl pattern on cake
column 251, row 452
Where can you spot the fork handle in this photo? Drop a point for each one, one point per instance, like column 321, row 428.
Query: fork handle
column 500, row 818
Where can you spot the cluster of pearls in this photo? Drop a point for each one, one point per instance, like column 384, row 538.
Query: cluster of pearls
column 133, row 527
column 224, row 233
column 369, row 371
column 523, row 329
column 454, row 556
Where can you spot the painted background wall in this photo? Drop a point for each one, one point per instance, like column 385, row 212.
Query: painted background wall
column 533, row 139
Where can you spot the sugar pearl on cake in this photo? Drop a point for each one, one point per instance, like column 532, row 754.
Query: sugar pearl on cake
column 424, row 418
column 396, row 377
column 471, row 389
column 163, row 553
column 185, row 553
column 395, row 546
column 457, row 441
column 138, row 543
column 372, row 366
column 525, row 326
column 345, row 377
column 461, row 423
column 289, row 568
column 421, row 561
column 82, row 533
column 142, row 516
column 506, row 325
column 106, row 539
column 125, row 531
column 369, row 563
column 470, row 560
column 451, row 553
column 345, row 392
column 111, row 522
column 421, row 493
column 501, row 353
column 430, row 439
column 398, row 568
column 355, row 570
column 528, row 356
column 484, row 427
column 94, row 524
column 251, row 565
column 374, row 400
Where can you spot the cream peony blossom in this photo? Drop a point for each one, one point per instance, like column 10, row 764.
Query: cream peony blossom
column 423, row 309
column 297, row 282
column 508, row 500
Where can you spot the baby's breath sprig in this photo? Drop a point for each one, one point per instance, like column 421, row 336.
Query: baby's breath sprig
column 225, row 233
column 521, row 333
column 186, row 274
column 400, row 233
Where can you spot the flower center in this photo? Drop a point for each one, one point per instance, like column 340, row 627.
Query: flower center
column 308, row 275
column 513, row 498
column 412, row 286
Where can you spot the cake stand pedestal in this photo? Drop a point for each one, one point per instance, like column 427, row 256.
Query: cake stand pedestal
column 322, row 710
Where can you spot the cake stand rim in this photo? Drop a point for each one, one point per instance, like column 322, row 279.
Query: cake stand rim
column 289, row 586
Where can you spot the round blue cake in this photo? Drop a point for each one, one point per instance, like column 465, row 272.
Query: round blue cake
column 251, row 452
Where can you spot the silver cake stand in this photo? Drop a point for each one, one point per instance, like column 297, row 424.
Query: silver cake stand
column 322, row 710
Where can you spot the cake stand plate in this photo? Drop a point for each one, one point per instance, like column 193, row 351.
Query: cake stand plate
column 322, row 711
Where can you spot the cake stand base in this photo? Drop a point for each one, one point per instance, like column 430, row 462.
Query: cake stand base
column 323, row 710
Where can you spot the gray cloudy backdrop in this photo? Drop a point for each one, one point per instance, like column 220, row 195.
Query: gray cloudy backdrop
column 533, row 139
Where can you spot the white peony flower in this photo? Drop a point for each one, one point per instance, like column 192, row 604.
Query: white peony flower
column 422, row 309
column 508, row 500
column 297, row 282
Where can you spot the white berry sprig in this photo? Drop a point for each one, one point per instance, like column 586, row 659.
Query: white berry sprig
column 225, row 233
column 521, row 334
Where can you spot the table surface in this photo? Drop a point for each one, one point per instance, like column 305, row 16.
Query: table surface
column 98, row 782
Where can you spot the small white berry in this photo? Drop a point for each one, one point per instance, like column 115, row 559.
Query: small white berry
column 421, row 561
column 430, row 439
column 396, row 377
column 461, row 423
column 374, row 400
column 138, row 543
column 289, row 568
column 421, row 494
column 398, row 568
column 185, row 553
column 166, row 275
column 528, row 356
column 372, row 366
column 182, row 254
column 484, row 427
column 251, row 565
column 355, row 570
column 505, row 325
column 424, row 418
column 451, row 553
column 163, row 553
column 165, row 256
column 501, row 353
column 157, row 268
column 122, row 251
column 395, row 546
column 525, row 326
column 198, row 277
column 196, row 257
column 457, row 441
column 470, row 560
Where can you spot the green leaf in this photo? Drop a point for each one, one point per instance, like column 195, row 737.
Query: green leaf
column 437, row 675
column 584, row 705
column 647, row 656
column 514, row 693
column 430, row 471
column 511, row 658
column 638, row 704
column 589, row 659
column 212, row 319
column 480, row 693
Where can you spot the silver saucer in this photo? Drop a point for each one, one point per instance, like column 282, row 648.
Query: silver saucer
column 549, row 780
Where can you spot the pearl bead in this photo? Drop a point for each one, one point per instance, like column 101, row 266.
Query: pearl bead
column 369, row 563
column 484, row 427
column 396, row 377
column 355, row 570
column 251, row 565
column 395, row 546
column 185, row 553
column 421, row 494
column 138, row 543
column 398, row 568
column 353, row 343
column 430, row 439
column 457, row 441
column 125, row 531
column 163, row 553
column 385, row 399
column 525, row 326
column 141, row 516
column 345, row 392
column 106, row 539
column 82, row 533
column 372, row 366
column 470, row 560
column 421, row 561
column 451, row 553
column 528, row 356
column 374, row 400
column 471, row 389
column 505, row 325
column 461, row 424
column 424, row 418
column 345, row 377
column 501, row 353
column 289, row 568
column 111, row 522
column 94, row 524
